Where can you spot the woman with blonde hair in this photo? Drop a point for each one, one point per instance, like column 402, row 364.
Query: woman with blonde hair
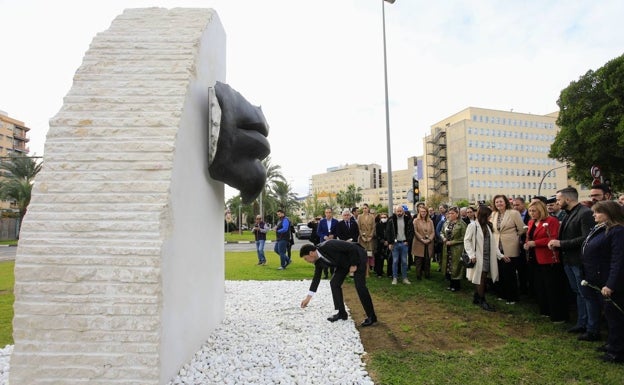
column 422, row 245
column 549, row 279
column 508, row 227
column 481, row 248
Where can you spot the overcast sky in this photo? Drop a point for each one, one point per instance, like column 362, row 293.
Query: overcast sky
column 316, row 67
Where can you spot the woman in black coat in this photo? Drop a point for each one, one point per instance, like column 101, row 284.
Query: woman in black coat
column 603, row 274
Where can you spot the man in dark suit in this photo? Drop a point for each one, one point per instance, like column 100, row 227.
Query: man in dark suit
column 572, row 233
column 326, row 230
column 346, row 257
column 347, row 229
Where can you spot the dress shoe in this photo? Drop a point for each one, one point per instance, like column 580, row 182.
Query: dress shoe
column 588, row 336
column 577, row 329
column 609, row 357
column 369, row 321
column 603, row 348
column 338, row 316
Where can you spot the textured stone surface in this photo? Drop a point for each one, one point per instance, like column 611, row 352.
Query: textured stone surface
column 119, row 270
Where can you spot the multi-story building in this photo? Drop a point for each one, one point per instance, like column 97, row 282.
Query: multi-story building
column 13, row 135
column 478, row 153
column 370, row 179
column 13, row 139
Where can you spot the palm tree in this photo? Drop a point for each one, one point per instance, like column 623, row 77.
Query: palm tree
column 18, row 176
column 274, row 174
column 284, row 197
column 349, row 198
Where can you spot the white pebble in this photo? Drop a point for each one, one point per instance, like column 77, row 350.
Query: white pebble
column 266, row 338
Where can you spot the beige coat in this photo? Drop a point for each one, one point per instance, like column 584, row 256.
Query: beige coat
column 366, row 224
column 473, row 244
column 422, row 230
column 510, row 231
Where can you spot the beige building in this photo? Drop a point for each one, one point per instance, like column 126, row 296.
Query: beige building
column 371, row 180
column 13, row 136
column 13, row 139
column 478, row 153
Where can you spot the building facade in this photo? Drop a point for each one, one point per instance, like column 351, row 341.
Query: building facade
column 13, row 140
column 370, row 179
column 13, row 136
column 478, row 153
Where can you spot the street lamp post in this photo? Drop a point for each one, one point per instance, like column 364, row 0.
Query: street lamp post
column 383, row 19
column 539, row 188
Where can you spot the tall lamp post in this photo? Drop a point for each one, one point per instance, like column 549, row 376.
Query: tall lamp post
column 383, row 18
column 539, row 188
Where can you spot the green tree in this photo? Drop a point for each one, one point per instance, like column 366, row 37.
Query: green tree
column 462, row 203
column 274, row 174
column 19, row 172
column 284, row 197
column 313, row 207
column 349, row 198
column 592, row 125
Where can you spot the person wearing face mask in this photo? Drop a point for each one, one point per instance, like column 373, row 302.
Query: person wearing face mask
column 382, row 254
column 399, row 230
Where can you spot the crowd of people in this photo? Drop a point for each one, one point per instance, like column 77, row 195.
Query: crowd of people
column 554, row 252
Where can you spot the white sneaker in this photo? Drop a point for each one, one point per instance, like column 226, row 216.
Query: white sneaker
column 406, row 281
column 394, row 281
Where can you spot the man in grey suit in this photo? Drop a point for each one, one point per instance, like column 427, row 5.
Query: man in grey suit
column 346, row 257
column 573, row 231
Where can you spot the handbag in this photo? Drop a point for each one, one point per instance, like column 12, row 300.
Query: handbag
column 465, row 258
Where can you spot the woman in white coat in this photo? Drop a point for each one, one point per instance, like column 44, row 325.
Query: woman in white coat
column 481, row 247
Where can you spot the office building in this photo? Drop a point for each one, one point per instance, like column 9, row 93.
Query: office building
column 478, row 153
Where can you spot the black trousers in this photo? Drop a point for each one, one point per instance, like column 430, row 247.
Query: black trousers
column 508, row 279
column 360, row 286
column 615, row 322
column 551, row 286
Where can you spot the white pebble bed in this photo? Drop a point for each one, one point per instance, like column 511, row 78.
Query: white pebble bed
column 266, row 338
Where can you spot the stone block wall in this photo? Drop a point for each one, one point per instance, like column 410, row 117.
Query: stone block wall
column 119, row 274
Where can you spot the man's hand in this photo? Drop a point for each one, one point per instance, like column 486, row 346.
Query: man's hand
column 554, row 243
column 305, row 301
column 352, row 269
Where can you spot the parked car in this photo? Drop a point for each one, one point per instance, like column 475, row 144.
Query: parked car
column 302, row 231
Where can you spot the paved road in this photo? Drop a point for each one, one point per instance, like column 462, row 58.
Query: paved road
column 8, row 253
column 267, row 247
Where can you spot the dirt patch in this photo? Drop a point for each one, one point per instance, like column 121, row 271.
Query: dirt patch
column 422, row 325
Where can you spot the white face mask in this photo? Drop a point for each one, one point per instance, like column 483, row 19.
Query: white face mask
column 383, row 220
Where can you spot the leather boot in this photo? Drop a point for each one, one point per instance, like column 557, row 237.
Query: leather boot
column 486, row 306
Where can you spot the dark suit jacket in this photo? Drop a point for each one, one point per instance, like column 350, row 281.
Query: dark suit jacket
column 322, row 228
column 341, row 255
column 348, row 233
column 573, row 231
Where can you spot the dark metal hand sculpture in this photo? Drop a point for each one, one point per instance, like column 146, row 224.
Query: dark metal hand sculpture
column 241, row 145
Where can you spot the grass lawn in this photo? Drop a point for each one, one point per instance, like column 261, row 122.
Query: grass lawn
column 6, row 303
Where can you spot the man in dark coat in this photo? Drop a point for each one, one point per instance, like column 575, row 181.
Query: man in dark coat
column 346, row 257
column 572, row 233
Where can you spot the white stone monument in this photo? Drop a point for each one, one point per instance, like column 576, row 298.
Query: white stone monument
column 119, row 274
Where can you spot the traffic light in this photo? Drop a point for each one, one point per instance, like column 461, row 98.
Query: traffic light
column 415, row 189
